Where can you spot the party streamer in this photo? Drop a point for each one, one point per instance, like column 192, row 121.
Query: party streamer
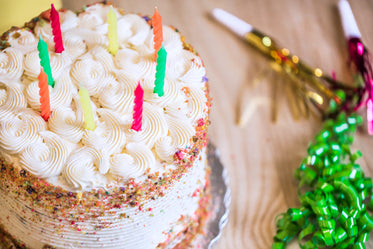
column 334, row 193
column 360, row 57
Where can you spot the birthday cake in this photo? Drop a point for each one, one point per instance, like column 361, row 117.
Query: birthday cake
column 63, row 185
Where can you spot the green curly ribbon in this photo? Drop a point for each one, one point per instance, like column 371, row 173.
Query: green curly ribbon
column 335, row 195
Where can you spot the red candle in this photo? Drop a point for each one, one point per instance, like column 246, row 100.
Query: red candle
column 137, row 109
column 44, row 95
column 157, row 32
column 56, row 30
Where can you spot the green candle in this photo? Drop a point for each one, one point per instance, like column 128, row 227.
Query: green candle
column 160, row 71
column 44, row 60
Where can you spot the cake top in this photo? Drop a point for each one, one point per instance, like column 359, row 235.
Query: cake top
column 61, row 150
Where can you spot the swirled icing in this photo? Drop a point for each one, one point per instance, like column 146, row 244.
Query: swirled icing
column 123, row 165
column 69, row 20
column 154, row 126
column 12, row 99
column 82, row 168
column 3, row 96
column 11, row 63
column 24, row 41
column 143, row 156
column 46, row 159
column 67, row 123
column 19, row 131
column 181, row 130
column 62, row 148
column 14, row 95
column 32, row 64
column 196, row 105
column 139, row 30
column 108, row 135
column 165, row 149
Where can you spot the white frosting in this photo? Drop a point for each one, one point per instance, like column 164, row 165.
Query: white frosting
column 83, row 168
column 165, row 149
column 24, row 41
column 11, row 64
column 67, row 123
column 46, row 159
column 20, row 130
column 62, row 148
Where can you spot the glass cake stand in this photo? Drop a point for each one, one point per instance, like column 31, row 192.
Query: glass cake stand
column 221, row 198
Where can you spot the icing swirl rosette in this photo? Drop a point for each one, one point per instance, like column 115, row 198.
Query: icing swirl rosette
column 135, row 29
column 118, row 99
column 32, row 64
column 109, row 134
column 90, row 72
column 23, row 41
column 11, row 63
column 165, row 149
column 67, row 123
column 154, row 126
column 19, row 131
column 46, row 159
column 12, row 99
column 143, row 157
column 83, row 168
column 123, row 165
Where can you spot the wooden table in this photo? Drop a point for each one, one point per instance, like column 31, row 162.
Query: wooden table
column 261, row 156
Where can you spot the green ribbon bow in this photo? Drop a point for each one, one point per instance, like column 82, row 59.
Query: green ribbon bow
column 335, row 195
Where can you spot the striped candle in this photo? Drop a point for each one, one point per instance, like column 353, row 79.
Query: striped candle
column 56, row 30
column 44, row 95
column 160, row 72
column 87, row 109
column 137, row 109
column 44, row 60
column 112, row 32
column 157, row 32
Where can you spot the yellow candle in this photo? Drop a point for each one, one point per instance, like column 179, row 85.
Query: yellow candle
column 113, row 33
column 87, row 109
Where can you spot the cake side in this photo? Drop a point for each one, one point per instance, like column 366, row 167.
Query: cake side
column 126, row 226
column 133, row 172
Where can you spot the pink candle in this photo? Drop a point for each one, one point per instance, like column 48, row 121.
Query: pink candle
column 56, row 30
column 137, row 109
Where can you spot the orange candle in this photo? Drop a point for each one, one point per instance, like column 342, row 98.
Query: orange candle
column 44, row 95
column 157, row 32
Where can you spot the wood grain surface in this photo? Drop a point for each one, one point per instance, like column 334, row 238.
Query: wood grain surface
column 261, row 156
